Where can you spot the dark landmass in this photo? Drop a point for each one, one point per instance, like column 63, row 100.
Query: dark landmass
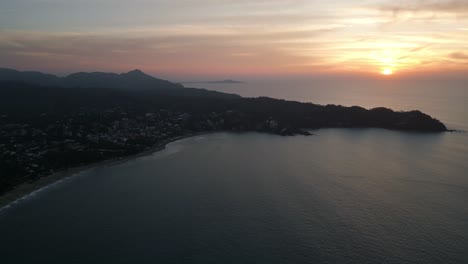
column 220, row 82
column 49, row 128
column 135, row 80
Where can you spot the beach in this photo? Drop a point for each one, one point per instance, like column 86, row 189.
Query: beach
column 25, row 189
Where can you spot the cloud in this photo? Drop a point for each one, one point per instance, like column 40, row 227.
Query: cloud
column 230, row 36
column 178, row 50
column 444, row 6
column 459, row 56
column 420, row 48
column 169, row 39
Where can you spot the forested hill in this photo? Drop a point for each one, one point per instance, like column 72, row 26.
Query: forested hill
column 31, row 99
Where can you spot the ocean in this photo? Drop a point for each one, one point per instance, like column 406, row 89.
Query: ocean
column 340, row 196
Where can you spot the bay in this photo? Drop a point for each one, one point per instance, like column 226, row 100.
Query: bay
column 341, row 196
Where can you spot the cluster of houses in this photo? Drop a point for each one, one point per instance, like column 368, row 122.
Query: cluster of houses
column 39, row 147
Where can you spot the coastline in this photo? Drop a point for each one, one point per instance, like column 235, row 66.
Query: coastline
column 23, row 190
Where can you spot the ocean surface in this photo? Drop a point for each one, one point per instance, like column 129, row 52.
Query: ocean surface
column 340, row 196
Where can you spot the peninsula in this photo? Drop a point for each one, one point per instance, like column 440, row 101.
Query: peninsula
column 49, row 124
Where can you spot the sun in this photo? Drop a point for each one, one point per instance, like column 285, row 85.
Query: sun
column 387, row 71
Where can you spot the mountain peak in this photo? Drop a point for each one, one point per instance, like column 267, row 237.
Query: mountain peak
column 136, row 72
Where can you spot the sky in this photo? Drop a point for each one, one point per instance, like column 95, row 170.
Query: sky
column 190, row 39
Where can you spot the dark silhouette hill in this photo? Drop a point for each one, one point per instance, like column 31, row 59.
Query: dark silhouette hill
column 32, row 77
column 16, row 97
column 140, row 89
column 133, row 81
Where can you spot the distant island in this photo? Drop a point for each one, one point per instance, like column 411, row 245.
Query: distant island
column 220, row 82
column 49, row 124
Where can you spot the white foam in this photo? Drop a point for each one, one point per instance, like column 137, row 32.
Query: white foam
column 170, row 149
column 37, row 192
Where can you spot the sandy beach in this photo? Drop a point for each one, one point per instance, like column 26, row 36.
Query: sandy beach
column 25, row 189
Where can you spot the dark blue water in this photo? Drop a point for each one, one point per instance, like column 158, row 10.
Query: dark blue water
column 342, row 196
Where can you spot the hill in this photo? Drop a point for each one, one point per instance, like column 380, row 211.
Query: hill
column 133, row 81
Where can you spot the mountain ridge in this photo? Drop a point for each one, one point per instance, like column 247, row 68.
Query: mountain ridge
column 132, row 81
column 135, row 79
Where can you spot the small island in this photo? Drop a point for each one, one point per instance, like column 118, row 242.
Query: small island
column 228, row 81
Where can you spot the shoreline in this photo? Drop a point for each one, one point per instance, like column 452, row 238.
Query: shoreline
column 25, row 189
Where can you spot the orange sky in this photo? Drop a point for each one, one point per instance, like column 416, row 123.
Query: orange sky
column 225, row 38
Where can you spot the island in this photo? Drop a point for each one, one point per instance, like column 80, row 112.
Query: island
column 228, row 81
column 50, row 124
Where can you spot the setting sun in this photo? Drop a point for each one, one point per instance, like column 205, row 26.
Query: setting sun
column 387, row 71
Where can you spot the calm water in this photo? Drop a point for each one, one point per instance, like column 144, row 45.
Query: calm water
column 342, row 196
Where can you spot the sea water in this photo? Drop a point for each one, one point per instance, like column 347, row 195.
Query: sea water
column 340, row 196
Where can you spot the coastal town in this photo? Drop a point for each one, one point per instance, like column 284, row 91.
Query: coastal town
column 52, row 142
